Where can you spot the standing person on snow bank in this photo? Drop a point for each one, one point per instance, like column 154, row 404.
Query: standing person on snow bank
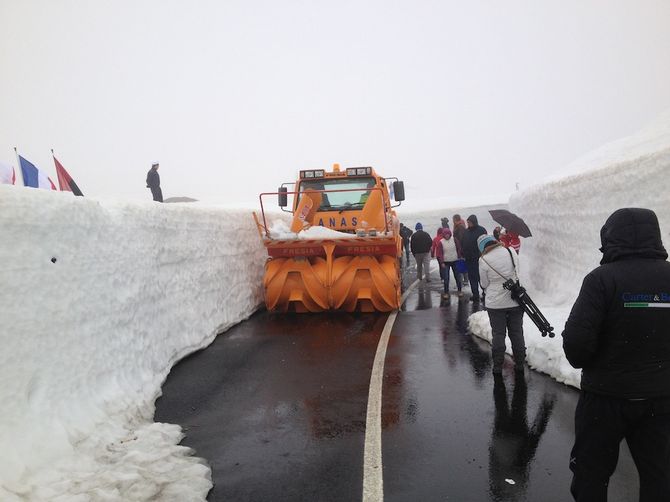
column 448, row 251
column 420, row 243
column 405, row 233
column 618, row 332
column 496, row 265
column 154, row 182
column 471, row 253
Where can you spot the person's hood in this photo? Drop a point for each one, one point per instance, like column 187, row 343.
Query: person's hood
column 473, row 219
column 439, row 232
column 631, row 233
column 446, row 234
column 484, row 241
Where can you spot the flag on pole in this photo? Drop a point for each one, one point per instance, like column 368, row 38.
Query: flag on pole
column 7, row 174
column 33, row 177
column 65, row 181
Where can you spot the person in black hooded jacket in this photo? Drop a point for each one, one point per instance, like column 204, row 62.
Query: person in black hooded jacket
column 471, row 253
column 618, row 332
column 154, row 182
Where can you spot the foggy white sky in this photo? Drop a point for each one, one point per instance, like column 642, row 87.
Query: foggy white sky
column 458, row 99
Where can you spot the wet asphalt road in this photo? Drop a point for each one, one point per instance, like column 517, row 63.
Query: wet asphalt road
column 277, row 406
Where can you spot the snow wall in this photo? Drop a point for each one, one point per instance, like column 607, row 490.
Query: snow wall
column 565, row 215
column 98, row 301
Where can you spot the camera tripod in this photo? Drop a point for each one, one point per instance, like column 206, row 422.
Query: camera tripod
column 520, row 294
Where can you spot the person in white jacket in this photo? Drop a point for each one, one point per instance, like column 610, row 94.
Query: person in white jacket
column 497, row 265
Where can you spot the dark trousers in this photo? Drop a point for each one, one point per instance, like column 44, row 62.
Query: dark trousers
column 473, row 275
column 406, row 246
column 601, row 423
column 445, row 275
column 157, row 193
column 507, row 322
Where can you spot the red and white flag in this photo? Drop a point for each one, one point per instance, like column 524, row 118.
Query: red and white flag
column 65, row 180
column 7, row 174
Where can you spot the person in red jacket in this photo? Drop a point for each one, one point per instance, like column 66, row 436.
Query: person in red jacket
column 510, row 240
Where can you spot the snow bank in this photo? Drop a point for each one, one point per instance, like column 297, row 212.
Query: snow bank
column 543, row 354
column 566, row 214
column 98, row 301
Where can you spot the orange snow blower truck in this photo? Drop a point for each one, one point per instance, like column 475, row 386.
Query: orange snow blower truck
column 343, row 248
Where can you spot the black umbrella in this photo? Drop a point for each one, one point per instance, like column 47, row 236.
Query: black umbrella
column 511, row 222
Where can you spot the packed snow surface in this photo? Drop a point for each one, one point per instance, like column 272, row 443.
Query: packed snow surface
column 566, row 214
column 98, row 301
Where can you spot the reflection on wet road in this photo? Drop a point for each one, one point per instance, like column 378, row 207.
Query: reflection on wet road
column 513, row 440
column 277, row 406
column 462, row 435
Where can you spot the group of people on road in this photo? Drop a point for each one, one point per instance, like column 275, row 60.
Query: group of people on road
column 618, row 334
column 457, row 251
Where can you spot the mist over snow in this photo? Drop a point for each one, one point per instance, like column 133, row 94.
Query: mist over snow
column 565, row 215
column 234, row 97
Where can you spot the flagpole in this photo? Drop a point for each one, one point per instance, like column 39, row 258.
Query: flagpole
column 20, row 171
column 53, row 157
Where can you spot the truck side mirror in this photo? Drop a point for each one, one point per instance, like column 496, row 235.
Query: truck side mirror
column 398, row 191
column 282, row 196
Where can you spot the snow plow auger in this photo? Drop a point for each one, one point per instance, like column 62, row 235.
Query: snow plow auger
column 343, row 248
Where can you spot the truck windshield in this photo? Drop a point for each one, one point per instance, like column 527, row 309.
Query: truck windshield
column 334, row 201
